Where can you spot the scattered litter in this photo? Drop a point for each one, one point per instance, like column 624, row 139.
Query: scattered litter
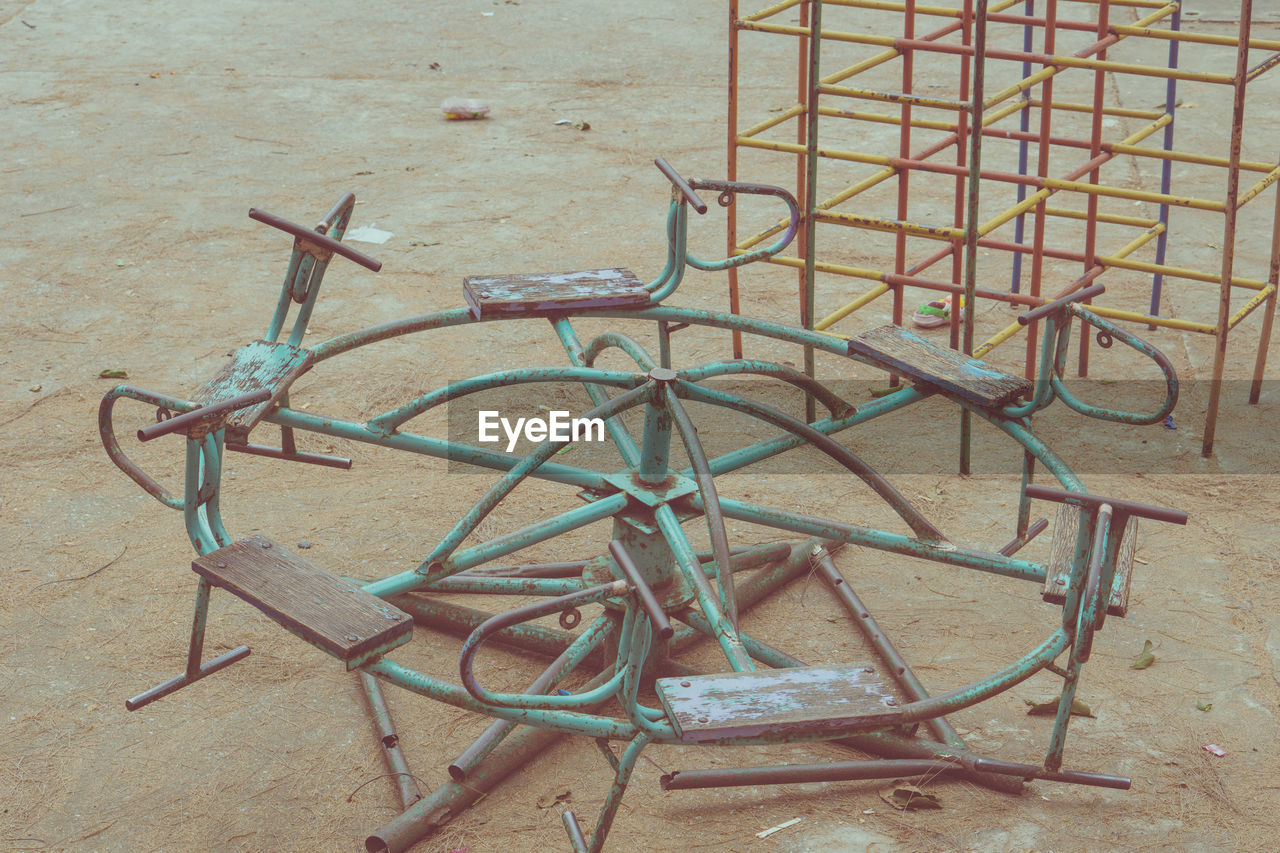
column 35, row 389
column 1146, row 658
column 114, row 373
column 120, row 262
column 868, row 811
column 1050, row 708
column 369, row 234
column 765, row 833
column 580, row 125
column 550, row 798
column 1168, row 422
column 304, row 544
column 904, row 797
column 464, row 109
column 1214, row 749
column 1204, row 706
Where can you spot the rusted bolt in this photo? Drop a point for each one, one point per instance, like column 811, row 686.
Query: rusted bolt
column 891, row 702
column 353, row 637
column 266, row 544
column 684, row 684
column 703, row 719
column 222, row 565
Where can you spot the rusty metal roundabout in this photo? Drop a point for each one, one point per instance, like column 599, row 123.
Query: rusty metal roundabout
column 629, row 610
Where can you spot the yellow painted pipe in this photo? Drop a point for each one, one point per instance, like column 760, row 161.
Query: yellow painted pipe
column 1166, row 322
column 770, row 11
column 884, row 119
column 1178, row 272
column 839, row 314
column 837, row 269
column 858, row 67
column 1258, row 188
column 894, row 98
column 1248, row 307
column 1135, row 195
column 944, row 233
column 861, row 186
column 789, row 113
column 827, row 35
column 998, row 338
column 1120, row 112
column 1195, row 38
column 1188, row 157
column 1108, row 218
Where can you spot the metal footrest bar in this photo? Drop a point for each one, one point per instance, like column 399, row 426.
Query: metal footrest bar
column 295, row 456
column 1016, row 544
column 848, row 771
column 175, row 684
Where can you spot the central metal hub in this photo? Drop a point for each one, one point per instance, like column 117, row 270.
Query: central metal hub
column 651, row 494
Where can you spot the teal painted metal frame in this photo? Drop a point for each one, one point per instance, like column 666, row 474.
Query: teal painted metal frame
column 655, row 523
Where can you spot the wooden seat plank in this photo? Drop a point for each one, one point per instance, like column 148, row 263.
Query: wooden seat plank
column 944, row 369
column 260, row 364
column 807, row 699
column 548, row 293
column 1062, row 551
column 332, row 613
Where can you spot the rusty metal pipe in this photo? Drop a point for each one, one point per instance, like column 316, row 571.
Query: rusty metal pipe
column 1017, row 542
column 571, row 569
column 839, row 771
column 1155, row 513
column 451, row 799
column 185, row 421
column 390, row 741
column 1057, row 304
column 848, row 771
column 661, row 625
column 884, row 648
column 889, row 745
column 550, row 677
column 460, row 621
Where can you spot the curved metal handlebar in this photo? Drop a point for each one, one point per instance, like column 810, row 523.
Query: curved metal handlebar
column 487, row 629
column 1133, row 342
column 1084, row 499
column 1050, row 307
column 681, row 185
column 107, row 432
column 726, row 191
column 315, row 238
column 184, row 421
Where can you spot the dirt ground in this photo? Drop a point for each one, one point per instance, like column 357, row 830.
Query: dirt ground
column 137, row 135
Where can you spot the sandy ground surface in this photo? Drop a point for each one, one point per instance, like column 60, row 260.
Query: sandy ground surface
column 137, row 135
